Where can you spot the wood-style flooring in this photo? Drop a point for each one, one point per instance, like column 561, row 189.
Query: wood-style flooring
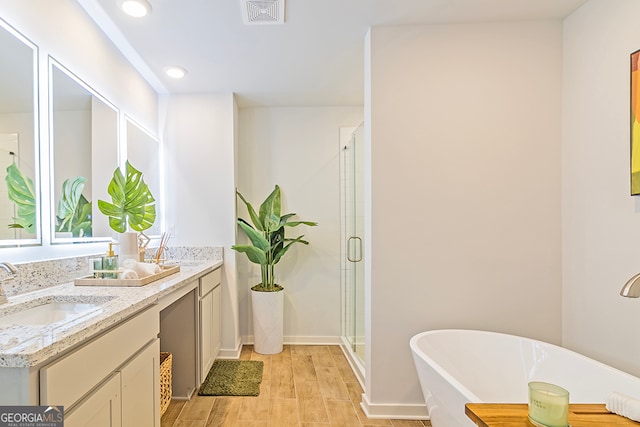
column 305, row 386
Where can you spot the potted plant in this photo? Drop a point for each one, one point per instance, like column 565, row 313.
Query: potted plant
column 268, row 246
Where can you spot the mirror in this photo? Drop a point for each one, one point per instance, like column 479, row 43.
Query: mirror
column 19, row 187
column 84, row 147
column 143, row 152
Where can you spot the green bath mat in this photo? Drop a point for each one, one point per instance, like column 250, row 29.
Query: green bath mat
column 233, row 378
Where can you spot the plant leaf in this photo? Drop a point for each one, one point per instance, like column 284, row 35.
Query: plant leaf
column 254, row 254
column 255, row 219
column 296, row 223
column 132, row 201
column 255, row 236
column 21, row 192
column 83, row 219
column 285, row 248
column 270, row 211
column 69, row 199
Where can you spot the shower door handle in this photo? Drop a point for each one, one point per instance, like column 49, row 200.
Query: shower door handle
column 358, row 256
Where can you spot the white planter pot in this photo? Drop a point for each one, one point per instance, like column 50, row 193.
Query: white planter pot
column 268, row 321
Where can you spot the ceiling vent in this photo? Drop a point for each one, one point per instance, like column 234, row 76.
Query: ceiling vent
column 262, row 12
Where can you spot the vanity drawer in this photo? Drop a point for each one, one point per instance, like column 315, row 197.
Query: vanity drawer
column 66, row 380
column 210, row 281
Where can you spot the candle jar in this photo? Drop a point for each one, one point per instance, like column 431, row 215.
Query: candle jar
column 548, row 405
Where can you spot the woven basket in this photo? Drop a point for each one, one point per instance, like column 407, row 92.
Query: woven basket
column 165, row 380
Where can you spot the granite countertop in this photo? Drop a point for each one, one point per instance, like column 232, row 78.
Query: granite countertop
column 30, row 345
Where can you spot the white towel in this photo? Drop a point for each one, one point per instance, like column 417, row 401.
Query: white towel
column 128, row 274
column 626, row 406
column 143, row 269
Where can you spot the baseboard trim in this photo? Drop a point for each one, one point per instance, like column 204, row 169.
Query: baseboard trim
column 309, row 340
column 395, row 411
column 233, row 353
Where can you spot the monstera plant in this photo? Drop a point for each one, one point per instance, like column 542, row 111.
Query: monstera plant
column 21, row 192
column 132, row 203
column 74, row 210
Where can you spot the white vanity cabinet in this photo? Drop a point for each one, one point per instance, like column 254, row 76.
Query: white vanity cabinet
column 108, row 374
column 113, row 380
column 210, row 293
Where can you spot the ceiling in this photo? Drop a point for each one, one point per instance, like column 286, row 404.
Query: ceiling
column 315, row 58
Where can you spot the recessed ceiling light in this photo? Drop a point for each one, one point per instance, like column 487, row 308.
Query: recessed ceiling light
column 135, row 8
column 175, row 72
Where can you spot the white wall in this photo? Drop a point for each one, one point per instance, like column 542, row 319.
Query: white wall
column 600, row 220
column 63, row 30
column 298, row 149
column 199, row 135
column 72, row 155
column 463, row 126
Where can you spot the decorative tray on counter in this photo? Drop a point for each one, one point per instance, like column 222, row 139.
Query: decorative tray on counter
column 92, row 281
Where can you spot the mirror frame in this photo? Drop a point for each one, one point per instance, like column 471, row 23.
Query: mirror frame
column 37, row 241
column 53, row 63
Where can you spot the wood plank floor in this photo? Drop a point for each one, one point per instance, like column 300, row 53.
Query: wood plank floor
column 305, row 386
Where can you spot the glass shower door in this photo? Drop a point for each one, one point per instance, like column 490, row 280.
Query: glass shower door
column 353, row 265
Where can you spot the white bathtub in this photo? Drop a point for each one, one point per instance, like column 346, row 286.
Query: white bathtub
column 461, row 366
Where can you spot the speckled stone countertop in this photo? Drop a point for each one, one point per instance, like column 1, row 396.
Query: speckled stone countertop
column 30, row 345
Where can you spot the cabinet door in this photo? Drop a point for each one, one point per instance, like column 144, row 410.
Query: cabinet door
column 206, row 326
column 210, row 330
column 216, row 321
column 141, row 388
column 100, row 409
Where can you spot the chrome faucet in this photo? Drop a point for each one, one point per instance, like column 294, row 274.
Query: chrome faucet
column 13, row 272
column 631, row 289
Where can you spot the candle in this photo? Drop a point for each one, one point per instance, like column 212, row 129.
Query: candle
column 548, row 405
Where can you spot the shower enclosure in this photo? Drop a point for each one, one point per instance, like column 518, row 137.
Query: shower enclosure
column 352, row 203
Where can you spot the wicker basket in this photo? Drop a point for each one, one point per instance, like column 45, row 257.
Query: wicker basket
column 165, row 380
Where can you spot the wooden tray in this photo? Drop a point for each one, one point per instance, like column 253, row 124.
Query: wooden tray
column 515, row 415
column 91, row 281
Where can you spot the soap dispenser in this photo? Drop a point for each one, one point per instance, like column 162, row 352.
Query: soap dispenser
column 110, row 262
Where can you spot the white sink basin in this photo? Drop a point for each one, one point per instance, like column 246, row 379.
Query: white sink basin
column 50, row 312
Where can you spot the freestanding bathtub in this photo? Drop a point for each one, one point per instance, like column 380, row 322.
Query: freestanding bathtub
column 465, row 366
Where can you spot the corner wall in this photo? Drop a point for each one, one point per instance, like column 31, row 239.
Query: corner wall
column 600, row 220
column 199, row 139
column 464, row 140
